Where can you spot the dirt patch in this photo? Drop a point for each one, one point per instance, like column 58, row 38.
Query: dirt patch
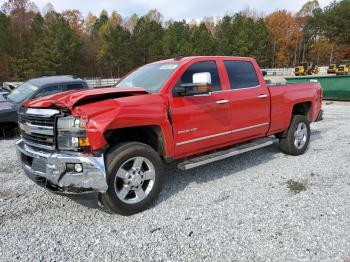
column 295, row 186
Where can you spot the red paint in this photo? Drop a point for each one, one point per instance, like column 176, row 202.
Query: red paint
column 192, row 117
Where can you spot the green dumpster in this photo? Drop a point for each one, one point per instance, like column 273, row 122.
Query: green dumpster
column 334, row 87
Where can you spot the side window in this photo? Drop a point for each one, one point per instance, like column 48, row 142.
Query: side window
column 201, row 67
column 241, row 74
column 74, row 86
column 50, row 90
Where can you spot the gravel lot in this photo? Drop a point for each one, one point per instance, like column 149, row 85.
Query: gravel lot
column 262, row 205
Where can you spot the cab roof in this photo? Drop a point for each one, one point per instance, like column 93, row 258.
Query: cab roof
column 185, row 59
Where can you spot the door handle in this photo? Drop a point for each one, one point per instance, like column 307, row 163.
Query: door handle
column 223, row 101
column 262, row 96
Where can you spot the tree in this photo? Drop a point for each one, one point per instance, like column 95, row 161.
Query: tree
column 146, row 36
column 116, row 19
column 285, row 33
column 176, row 39
column 75, row 20
column 202, row 41
column 58, row 52
column 244, row 36
column 89, row 23
column 48, row 8
column 308, row 8
column 6, row 46
column 131, row 23
column 116, row 50
column 337, row 17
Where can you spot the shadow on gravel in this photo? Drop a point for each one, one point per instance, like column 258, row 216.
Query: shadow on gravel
column 8, row 131
column 177, row 180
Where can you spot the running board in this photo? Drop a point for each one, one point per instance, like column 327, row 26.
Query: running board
column 233, row 151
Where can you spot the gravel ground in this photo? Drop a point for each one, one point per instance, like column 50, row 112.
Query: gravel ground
column 262, row 205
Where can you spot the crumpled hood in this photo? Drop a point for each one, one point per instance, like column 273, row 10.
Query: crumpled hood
column 70, row 99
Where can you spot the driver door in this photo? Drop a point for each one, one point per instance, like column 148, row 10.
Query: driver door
column 200, row 122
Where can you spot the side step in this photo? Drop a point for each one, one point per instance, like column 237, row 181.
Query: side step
column 233, row 151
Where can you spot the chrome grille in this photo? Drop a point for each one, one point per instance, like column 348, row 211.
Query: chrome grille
column 38, row 127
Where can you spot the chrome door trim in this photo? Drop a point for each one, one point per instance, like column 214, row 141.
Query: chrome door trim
column 221, row 134
column 203, row 138
column 230, row 90
column 249, row 127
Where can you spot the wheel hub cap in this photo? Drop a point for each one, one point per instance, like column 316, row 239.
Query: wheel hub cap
column 134, row 180
column 300, row 135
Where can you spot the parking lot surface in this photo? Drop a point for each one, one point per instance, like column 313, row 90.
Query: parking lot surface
column 262, row 205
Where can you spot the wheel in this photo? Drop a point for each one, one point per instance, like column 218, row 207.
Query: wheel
column 134, row 177
column 298, row 136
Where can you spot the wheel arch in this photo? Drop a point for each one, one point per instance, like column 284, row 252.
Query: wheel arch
column 302, row 108
column 151, row 135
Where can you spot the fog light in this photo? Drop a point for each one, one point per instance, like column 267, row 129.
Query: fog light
column 78, row 168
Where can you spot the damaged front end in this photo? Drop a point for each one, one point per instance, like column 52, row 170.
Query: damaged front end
column 54, row 151
column 63, row 172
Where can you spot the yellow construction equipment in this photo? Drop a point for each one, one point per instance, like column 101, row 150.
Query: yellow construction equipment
column 332, row 69
column 343, row 68
column 306, row 69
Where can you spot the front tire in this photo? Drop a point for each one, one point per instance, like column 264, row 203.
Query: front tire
column 297, row 138
column 134, row 177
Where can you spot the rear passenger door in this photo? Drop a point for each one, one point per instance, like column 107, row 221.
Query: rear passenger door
column 249, row 100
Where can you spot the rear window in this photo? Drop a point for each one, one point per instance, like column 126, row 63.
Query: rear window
column 241, row 74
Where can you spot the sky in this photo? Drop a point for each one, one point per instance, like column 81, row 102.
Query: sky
column 175, row 9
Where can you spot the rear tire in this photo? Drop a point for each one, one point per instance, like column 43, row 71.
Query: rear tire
column 134, row 178
column 297, row 138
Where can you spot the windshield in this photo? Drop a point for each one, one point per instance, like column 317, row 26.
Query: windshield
column 22, row 92
column 150, row 77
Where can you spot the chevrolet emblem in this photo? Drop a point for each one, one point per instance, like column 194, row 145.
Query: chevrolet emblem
column 25, row 128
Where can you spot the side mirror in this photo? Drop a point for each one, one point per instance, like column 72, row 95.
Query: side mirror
column 264, row 73
column 201, row 85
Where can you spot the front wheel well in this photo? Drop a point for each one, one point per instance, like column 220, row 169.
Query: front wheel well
column 149, row 135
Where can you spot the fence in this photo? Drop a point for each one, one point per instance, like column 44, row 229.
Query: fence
column 289, row 71
column 101, row 82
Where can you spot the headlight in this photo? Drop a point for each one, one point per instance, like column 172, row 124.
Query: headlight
column 71, row 133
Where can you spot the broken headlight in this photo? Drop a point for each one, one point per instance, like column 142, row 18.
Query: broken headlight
column 71, row 133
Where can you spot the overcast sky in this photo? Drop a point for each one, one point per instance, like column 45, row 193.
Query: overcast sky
column 175, row 9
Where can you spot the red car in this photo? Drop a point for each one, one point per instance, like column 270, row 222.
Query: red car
column 116, row 141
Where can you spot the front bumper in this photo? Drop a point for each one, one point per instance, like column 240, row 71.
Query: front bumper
column 49, row 170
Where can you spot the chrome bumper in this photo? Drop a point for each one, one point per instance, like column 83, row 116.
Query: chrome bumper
column 49, row 170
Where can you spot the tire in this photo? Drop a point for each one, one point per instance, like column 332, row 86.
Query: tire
column 297, row 138
column 132, row 168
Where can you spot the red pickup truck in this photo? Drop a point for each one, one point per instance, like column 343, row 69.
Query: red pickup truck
column 194, row 110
